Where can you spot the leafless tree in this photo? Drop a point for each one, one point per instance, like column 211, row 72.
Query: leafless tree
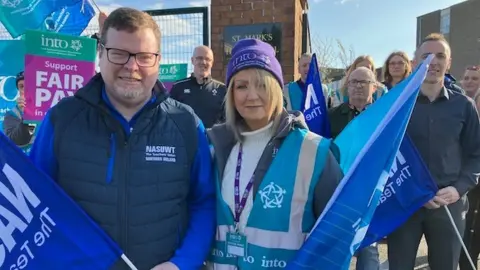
column 346, row 56
column 331, row 53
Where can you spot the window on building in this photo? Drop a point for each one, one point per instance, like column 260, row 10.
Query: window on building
column 445, row 21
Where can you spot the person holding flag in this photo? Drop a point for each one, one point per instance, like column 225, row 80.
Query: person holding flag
column 445, row 128
column 295, row 93
column 273, row 176
column 135, row 160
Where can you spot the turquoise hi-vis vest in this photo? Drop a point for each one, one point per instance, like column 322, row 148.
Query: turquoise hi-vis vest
column 282, row 213
column 294, row 96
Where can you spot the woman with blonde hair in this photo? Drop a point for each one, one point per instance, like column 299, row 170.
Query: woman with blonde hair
column 396, row 68
column 273, row 176
column 341, row 94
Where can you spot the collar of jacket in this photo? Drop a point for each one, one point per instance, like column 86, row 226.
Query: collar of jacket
column 92, row 93
column 222, row 136
column 205, row 80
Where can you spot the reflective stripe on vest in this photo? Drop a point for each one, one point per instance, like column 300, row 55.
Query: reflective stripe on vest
column 266, row 245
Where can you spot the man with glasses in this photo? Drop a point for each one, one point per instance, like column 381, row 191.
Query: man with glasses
column 361, row 86
column 445, row 128
column 204, row 94
column 136, row 161
column 13, row 126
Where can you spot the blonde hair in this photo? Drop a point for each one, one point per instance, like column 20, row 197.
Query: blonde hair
column 274, row 96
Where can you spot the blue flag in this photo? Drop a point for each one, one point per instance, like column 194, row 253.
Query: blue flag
column 40, row 226
column 70, row 20
column 315, row 107
column 368, row 147
column 408, row 188
column 20, row 15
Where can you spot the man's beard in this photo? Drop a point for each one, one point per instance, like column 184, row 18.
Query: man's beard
column 129, row 92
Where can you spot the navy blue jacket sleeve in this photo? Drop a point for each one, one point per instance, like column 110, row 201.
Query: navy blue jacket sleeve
column 201, row 227
column 42, row 154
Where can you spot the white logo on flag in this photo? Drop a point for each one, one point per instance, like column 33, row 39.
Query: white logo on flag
column 311, row 96
column 10, row 3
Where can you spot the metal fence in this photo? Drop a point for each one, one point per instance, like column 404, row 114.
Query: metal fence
column 182, row 30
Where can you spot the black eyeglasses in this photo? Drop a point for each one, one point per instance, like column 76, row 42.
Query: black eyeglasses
column 362, row 83
column 121, row 57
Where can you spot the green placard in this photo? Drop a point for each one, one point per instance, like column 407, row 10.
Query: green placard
column 172, row 72
column 50, row 44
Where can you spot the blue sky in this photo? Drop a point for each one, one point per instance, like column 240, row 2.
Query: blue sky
column 374, row 27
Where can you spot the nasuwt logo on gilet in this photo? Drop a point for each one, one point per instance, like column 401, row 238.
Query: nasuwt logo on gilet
column 160, row 153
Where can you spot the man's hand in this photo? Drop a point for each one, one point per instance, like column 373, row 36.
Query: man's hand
column 449, row 195
column 431, row 204
column 166, row 266
column 21, row 103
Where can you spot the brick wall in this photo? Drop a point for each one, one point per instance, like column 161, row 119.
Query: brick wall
column 245, row 12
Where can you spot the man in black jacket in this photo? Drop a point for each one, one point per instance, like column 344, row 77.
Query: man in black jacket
column 136, row 161
column 13, row 126
column 199, row 91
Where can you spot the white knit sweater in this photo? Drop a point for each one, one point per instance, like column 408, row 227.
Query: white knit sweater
column 253, row 145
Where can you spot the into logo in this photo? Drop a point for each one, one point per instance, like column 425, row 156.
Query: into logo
column 54, row 42
column 58, row 43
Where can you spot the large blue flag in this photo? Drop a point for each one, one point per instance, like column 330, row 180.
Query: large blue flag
column 40, row 226
column 408, row 188
column 368, row 147
column 315, row 106
column 20, row 15
column 70, row 20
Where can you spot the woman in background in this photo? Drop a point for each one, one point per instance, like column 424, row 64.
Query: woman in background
column 396, row 68
column 341, row 94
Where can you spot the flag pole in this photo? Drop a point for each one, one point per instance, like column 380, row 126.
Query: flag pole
column 128, row 262
column 460, row 237
column 95, row 4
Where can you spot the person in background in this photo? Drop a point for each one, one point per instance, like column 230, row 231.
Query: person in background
column 295, row 92
column 263, row 147
column 14, row 128
column 445, row 128
column 341, row 94
column 135, row 160
column 471, row 237
column 471, row 81
column 396, row 68
column 204, row 94
column 361, row 86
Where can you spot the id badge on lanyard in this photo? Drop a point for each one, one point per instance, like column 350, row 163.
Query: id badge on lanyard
column 236, row 243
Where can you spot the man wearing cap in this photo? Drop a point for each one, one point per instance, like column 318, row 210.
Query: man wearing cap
column 13, row 126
